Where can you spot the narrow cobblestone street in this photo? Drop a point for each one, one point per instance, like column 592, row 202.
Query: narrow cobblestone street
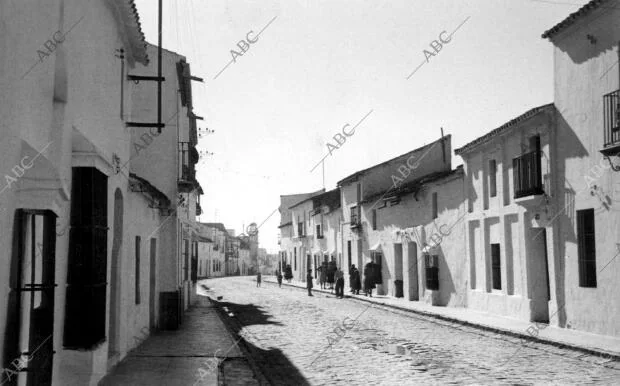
column 329, row 341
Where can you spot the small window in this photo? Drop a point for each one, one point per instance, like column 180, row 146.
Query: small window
column 295, row 260
column 359, row 193
column 492, row 178
column 319, row 235
column 496, row 267
column 434, row 204
column 300, row 229
column 137, row 275
column 431, row 263
column 374, row 219
column 586, row 248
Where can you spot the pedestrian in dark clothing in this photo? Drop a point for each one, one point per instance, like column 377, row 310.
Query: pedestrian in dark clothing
column 309, row 282
column 369, row 278
column 323, row 275
column 339, row 284
column 279, row 279
column 331, row 271
column 356, row 283
column 258, row 279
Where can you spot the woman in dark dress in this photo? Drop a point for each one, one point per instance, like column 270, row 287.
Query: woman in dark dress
column 369, row 278
column 331, row 272
column 356, row 283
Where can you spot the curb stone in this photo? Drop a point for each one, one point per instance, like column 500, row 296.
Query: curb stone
column 241, row 343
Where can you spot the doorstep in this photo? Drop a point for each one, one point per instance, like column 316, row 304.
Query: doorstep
column 602, row 345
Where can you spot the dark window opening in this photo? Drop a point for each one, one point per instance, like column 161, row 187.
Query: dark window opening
column 431, row 266
column 137, row 282
column 194, row 272
column 586, row 248
column 349, row 253
column 496, row 267
column 85, row 308
column 492, row 178
column 434, row 204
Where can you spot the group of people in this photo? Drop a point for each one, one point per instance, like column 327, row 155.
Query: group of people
column 371, row 279
column 330, row 274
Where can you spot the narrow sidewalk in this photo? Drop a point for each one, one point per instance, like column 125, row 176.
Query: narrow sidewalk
column 606, row 346
column 201, row 352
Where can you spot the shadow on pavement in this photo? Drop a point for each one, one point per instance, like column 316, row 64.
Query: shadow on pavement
column 272, row 364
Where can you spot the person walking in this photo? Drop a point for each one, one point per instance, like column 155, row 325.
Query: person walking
column 369, row 279
column 309, row 282
column 339, row 283
column 279, row 279
column 258, row 279
column 356, row 283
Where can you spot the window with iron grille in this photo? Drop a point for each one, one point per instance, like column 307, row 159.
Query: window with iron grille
column 30, row 303
column 431, row 264
column 137, row 282
column 85, row 307
column 586, row 248
column 496, row 267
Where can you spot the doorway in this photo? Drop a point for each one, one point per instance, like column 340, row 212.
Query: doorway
column 398, row 270
column 115, row 272
column 412, row 271
column 538, row 272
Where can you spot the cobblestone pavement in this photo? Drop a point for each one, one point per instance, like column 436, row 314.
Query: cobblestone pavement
column 331, row 341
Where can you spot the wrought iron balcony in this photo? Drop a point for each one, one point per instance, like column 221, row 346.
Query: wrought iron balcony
column 187, row 173
column 611, row 123
column 527, row 175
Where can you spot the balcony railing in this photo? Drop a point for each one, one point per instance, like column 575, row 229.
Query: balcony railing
column 611, row 119
column 187, row 173
column 527, row 174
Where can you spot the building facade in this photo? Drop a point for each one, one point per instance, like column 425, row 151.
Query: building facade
column 511, row 239
column 80, row 210
column 586, row 84
column 363, row 191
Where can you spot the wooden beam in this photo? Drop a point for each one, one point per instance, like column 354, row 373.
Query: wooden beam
column 144, row 124
column 143, row 77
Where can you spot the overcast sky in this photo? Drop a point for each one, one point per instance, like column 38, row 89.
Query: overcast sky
column 321, row 65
